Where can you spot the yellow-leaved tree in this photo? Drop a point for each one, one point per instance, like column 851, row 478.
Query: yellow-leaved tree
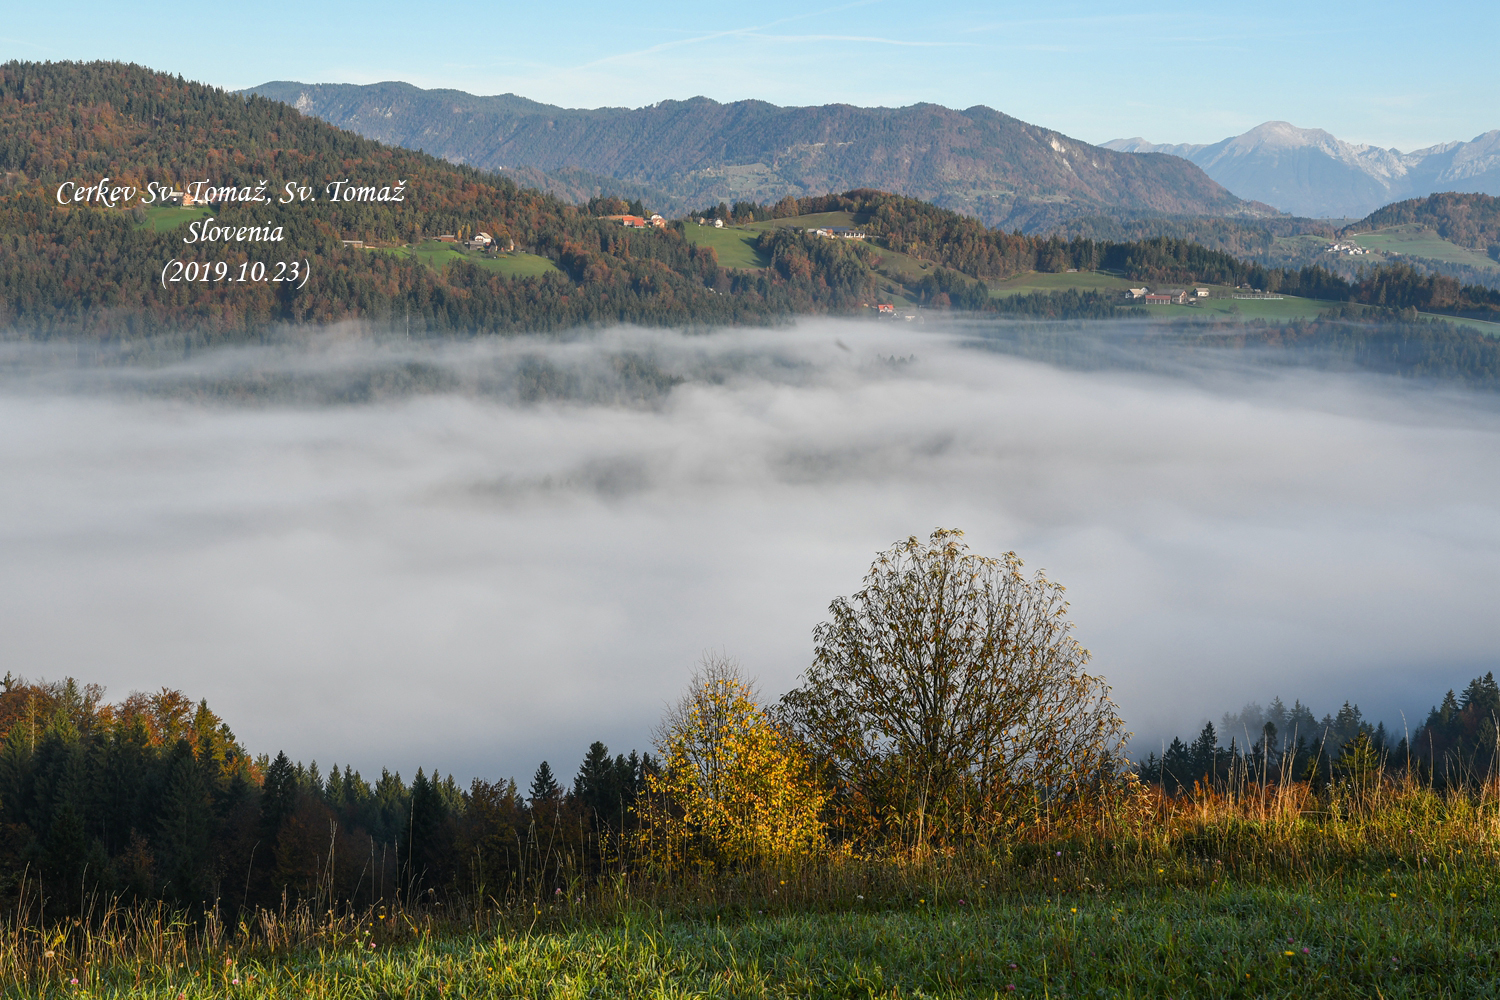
column 735, row 788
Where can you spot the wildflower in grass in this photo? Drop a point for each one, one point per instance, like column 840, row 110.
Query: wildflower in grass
column 235, row 981
column 73, row 981
column 1013, row 965
column 1010, row 987
column 1304, row 951
column 1289, row 954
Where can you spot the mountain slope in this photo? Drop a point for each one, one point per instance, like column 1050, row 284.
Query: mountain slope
column 696, row 152
column 1311, row 172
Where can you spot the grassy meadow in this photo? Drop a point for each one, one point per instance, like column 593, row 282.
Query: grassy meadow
column 1220, row 305
column 437, row 254
column 1419, row 241
column 1038, row 281
column 735, row 245
column 1357, row 892
column 163, row 218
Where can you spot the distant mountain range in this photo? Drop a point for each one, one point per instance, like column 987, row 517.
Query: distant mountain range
column 1311, row 173
column 690, row 154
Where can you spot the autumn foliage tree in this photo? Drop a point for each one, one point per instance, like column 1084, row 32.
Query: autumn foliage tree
column 735, row 787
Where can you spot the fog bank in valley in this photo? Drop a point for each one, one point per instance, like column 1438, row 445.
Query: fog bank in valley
column 475, row 556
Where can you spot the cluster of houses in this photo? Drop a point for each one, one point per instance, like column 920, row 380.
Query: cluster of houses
column 641, row 222
column 479, row 241
column 1352, row 249
column 1165, row 296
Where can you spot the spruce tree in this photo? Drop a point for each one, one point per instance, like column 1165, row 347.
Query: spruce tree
column 544, row 787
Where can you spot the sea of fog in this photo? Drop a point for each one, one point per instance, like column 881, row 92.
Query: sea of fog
column 474, row 556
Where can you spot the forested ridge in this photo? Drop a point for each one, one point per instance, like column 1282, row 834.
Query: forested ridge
column 91, row 271
column 976, row 160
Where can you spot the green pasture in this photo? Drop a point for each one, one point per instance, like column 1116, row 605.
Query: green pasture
column 1084, row 281
column 1418, row 241
column 1219, row 305
column 437, row 255
column 1482, row 326
column 161, row 218
column 735, row 245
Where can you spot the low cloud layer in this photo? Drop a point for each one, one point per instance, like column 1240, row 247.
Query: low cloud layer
column 476, row 556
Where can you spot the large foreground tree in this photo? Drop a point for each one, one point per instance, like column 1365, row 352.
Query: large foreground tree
column 949, row 695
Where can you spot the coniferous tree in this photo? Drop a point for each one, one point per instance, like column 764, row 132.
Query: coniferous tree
column 544, row 787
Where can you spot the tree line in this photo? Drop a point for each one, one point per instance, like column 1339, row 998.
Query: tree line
column 154, row 798
column 1454, row 747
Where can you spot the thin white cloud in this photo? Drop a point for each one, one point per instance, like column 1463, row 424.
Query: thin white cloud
column 870, row 39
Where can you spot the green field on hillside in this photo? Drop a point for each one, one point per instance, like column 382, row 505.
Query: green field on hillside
column 1037, row 281
column 1220, row 304
column 437, row 255
column 160, row 218
column 735, row 245
column 1419, row 241
column 1488, row 329
column 818, row 220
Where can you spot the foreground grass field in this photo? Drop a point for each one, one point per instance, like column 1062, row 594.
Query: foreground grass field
column 1418, row 931
column 1371, row 889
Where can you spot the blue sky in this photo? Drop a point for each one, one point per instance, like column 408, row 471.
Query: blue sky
column 1394, row 74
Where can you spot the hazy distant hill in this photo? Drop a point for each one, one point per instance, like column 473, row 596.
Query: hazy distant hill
column 1310, row 172
column 697, row 152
